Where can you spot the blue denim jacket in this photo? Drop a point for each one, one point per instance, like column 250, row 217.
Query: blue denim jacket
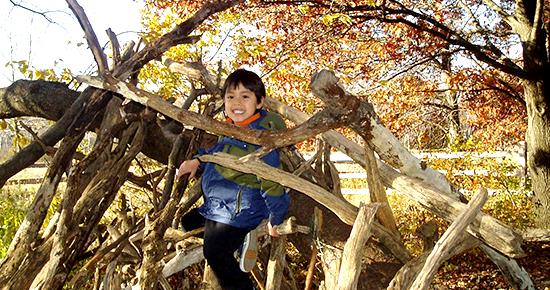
column 239, row 199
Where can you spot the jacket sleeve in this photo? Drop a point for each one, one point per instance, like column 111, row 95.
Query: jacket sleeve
column 201, row 152
column 274, row 194
column 276, row 198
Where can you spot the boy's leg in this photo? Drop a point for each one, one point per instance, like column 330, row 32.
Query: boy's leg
column 192, row 220
column 220, row 243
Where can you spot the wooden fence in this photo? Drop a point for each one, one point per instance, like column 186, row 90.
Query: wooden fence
column 348, row 169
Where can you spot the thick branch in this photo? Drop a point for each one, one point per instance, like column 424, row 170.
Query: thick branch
column 43, row 99
column 344, row 210
column 321, row 122
column 449, row 239
column 91, row 38
column 325, row 86
column 350, row 267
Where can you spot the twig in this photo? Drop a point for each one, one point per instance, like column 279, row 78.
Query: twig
column 115, row 45
column 43, row 14
column 47, row 149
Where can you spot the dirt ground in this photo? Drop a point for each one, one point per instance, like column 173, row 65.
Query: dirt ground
column 473, row 270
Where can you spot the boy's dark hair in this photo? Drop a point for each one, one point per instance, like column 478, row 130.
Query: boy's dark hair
column 248, row 79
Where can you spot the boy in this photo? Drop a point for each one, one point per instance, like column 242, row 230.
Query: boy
column 234, row 202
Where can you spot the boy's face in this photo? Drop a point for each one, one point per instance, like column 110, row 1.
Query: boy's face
column 240, row 103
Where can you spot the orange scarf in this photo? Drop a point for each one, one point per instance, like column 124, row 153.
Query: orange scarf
column 245, row 122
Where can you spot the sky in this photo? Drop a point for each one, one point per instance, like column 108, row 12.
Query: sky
column 60, row 41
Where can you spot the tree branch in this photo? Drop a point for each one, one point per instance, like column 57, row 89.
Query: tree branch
column 344, row 210
column 91, row 38
column 321, row 122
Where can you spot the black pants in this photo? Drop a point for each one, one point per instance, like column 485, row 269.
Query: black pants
column 220, row 243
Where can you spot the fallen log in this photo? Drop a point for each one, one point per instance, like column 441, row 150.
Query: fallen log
column 350, row 267
column 486, row 228
column 449, row 240
column 344, row 210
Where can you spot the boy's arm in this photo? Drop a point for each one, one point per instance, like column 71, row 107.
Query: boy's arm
column 276, row 198
column 194, row 166
column 274, row 194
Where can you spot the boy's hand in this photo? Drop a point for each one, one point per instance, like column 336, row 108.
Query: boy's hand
column 272, row 230
column 188, row 166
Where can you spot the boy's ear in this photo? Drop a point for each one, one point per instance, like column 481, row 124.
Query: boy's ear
column 261, row 103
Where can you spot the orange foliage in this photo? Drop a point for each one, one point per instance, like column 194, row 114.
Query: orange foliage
column 397, row 66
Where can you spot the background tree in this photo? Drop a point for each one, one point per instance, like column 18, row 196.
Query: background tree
column 56, row 252
column 435, row 68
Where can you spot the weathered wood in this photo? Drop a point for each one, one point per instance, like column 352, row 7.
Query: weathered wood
column 209, row 280
column 355, row 151
column 324, row 85
column 320, row 122
column 393, row 152
column 332, row 257
column 536, row 235
column 153, row 245
column 87, row 270
column 344, row 210
column 410, row 164
column 82, row 113
column 189, row 256
column 70, row 237
column 493, row 232
column 276, row 263
column 91, row 38
column 317, row 225
column 429, row 234
column 515, row 274
column 350, row 267
column 287, row 227
column 490, row 230
column 448, row 240
column 404, row 278
column 183, row 259
column 378, row 193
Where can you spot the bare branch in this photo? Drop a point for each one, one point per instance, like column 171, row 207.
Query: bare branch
column 91, row 38
column 321, row 122
column 43, row 14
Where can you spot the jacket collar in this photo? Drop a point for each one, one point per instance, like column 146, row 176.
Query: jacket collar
column 245, row 122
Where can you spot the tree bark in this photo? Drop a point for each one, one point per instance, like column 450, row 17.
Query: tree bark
column 532, row 31
column 449, row 239
column 350, row 266
column 538, row 147
column 276, row 263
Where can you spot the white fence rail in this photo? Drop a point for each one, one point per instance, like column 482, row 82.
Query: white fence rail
column 347, row 168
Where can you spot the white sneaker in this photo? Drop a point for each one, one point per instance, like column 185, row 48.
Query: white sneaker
column 249, row 252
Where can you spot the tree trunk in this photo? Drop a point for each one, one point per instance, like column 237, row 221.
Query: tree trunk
column 537, row 98
column 538, row 147
column 451, row 98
